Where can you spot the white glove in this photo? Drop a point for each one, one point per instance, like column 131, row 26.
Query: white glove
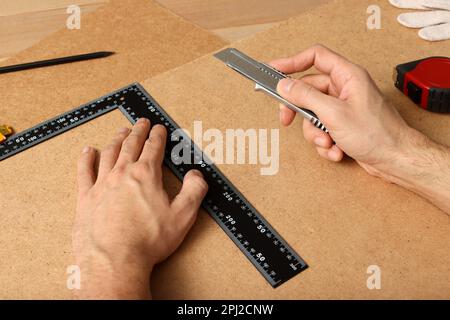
column 435, row 22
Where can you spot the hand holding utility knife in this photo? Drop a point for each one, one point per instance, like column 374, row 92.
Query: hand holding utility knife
column 266, row 79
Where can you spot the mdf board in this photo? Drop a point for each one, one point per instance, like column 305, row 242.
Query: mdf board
column 37, row 203
column 25, row 23
column 336, row 216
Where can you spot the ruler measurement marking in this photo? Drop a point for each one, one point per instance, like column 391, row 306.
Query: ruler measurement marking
column 243, row 224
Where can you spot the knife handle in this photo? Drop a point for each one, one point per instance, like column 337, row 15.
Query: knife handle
column 307, row 114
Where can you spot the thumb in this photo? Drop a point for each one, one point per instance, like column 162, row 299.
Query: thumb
column 188, row 201
column 305, row 95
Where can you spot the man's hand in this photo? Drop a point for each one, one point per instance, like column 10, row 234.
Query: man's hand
column 348, row 102
column 125, row 222
column 362, row 124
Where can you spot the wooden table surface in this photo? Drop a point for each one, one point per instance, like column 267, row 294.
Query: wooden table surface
column 25, row 22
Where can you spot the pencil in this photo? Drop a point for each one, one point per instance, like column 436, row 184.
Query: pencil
column 52, row 62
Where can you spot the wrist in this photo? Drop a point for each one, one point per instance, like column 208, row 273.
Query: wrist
column 420, row 165
column 404, row 158
column 407, row 159
column 106, row 278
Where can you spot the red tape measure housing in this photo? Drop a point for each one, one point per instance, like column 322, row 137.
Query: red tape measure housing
column 426, row 82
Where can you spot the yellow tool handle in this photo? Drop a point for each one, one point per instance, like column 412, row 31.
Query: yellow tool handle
column 5, row 132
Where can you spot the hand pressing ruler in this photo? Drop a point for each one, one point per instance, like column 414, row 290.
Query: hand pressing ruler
column 248, row 229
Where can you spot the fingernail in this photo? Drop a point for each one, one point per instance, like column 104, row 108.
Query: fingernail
column 197, row 173
column 320, row 142
column 86, row 149
column 123, row 130
column 285, row 85
column 333, row 155
column 142, row 120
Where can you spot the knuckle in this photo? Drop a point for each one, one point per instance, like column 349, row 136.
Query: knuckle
column 119, row 170
column 140, row 127
column 304, row 90
column 365, row 73
column 334, row 117
column 189, row 199
column 159, row 133
column 361, row 71
column 296, row 86
column 155, row 141
column 132, row 137
column 141, row 168
column 154, row 144
column 319, row 46
column 81, row 166
column 308, row 130
column 142, row 122
column 80, row 161
column 129, row 143
column 97, row 191
column 152, row 147
column 199, row 182
column 109, row 149
column 189, row 216
column 148, row 144
column 160, row 128
column 335, row 113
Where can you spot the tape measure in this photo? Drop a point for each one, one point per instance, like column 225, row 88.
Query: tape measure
column 426, row 82
column 246, row 227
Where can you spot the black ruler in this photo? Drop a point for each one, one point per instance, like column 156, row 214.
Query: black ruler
column 248, row 229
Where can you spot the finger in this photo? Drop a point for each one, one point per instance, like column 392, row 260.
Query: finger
column 108, row 157
column 286, row 115
column 86, row 172
column 153, row 151
column 322, row 58
column 305, row 95
column 321, row 82
column 133, row 144
column 188, row 201
column 316, row 136
column 333, row 154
